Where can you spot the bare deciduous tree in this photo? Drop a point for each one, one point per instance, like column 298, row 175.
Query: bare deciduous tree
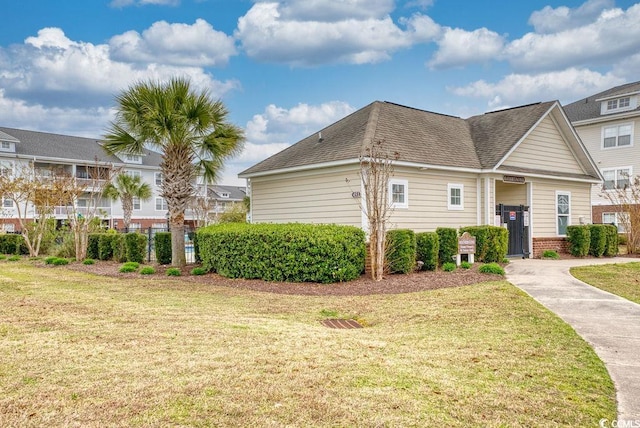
column 625, row 197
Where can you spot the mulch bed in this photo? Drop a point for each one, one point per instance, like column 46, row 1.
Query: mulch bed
column 391, row 284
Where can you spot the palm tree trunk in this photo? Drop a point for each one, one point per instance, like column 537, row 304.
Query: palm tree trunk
column 178, row 257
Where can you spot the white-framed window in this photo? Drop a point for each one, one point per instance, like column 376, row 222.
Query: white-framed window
column 616, row 178
column 617, row 136
column 158, row 178
column 159, row 225
column 399, row 193
column 619, row 104
column 133, row 159
column 455, row 196
column 563, row 212
column 9, row 227
column 133, row 173
column 617, row 219
column 161, row 204
column 136, row 203
column 7, row 202
column 135, row 226
column 6, row 168
column 224, row 195
column 6, row 146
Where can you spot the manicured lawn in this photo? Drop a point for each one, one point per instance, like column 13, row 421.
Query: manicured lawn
column 622, row 279
column 83, row 350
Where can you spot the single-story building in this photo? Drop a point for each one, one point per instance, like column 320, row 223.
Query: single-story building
column 524, row 168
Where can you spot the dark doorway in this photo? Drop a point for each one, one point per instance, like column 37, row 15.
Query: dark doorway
column 516, row 217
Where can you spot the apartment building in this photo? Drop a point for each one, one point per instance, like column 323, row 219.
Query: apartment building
column 606, row 123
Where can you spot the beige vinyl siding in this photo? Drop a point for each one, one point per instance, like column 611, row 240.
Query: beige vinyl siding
column 591, row 136
column 318, row 196
column 545, row 149
column 544, row 205
column 511, row 194
column 428, row 197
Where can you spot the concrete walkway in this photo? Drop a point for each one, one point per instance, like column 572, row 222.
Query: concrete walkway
column 610, row 324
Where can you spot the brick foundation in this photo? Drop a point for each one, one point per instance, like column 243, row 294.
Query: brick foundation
column 560, row 245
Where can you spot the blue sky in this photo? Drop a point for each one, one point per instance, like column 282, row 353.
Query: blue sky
column 287, row 68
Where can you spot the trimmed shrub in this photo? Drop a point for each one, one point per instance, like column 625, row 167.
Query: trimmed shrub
column 119, row 248
column 60, row 261
column 494, row 268
column 448, row 244
column 135, row 247
column 196, row 250
column 162, row 244
column 88, row 262
column 465, row 265
column 198, row 271
column 579, row 239
column 173, row 272
column 550, row 254
column 401, row 251
column 105, row 245
column 449, row 266
column 147, row 270
column 127, row 268
column 611, row 240
column 492, row 242
column 49, row 260
column 12, row 243
column 598, row 239
column 427, row 247
column 93, row 245
column 283, row 252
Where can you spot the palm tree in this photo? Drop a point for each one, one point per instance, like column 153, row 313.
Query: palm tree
column 126, row 188
column 188, row 128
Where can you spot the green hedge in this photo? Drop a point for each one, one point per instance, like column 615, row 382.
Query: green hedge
column 492, row 242
column 93, row 245
column 611, row 246
column 579, row 239
column 448, row 241
column 162, row 244
column 196, row 249
column 283, row 252
column 135, row 247
column 598, row 241
column 105, row 245
column 13, row 243
column 427, row 247
column 119, row 248
column 401, row 251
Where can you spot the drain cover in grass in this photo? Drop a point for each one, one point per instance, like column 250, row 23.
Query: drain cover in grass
column 338, row 323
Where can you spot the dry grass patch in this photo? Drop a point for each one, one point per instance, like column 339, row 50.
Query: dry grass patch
column 76, row 349
column 622, row 279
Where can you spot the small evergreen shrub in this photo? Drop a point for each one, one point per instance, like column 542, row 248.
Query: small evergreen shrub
column 105, row 245
column 465, row 265
column 162, row 244
column 93, row 246
column 198, row 271
column 427, row 247
column 135, row 247
column 492, row 242
column 49, row 260
column 127, row 268
column 88, row 262
column 173, row 272
column 449, row 266
column 60, row 261
column 14, row 258
column 448, row 244
column 401, row 251
column 133, row 264
column 119, row 248
column 506, row 261
column 611, row 240
column 579, row 239
column 147, row 270
column 12, row 243
column 494, row 268
column 598, row 239
column 550, row 254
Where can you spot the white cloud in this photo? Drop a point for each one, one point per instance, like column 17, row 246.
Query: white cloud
column 272, row 33
column 331, row 10
column 458, row 47
column 516, row 89
column 50, row 69
column 614, row 35
column 178, row 44
column 550, row 20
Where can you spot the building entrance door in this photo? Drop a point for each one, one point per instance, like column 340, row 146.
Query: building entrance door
column 516, row 219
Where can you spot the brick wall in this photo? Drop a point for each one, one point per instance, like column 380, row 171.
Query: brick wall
column 597, row 210
column 560, row 245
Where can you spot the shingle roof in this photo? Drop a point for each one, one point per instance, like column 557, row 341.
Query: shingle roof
column 589, row 108
column 42, row 144
column 235, row 192
column 418, row 136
